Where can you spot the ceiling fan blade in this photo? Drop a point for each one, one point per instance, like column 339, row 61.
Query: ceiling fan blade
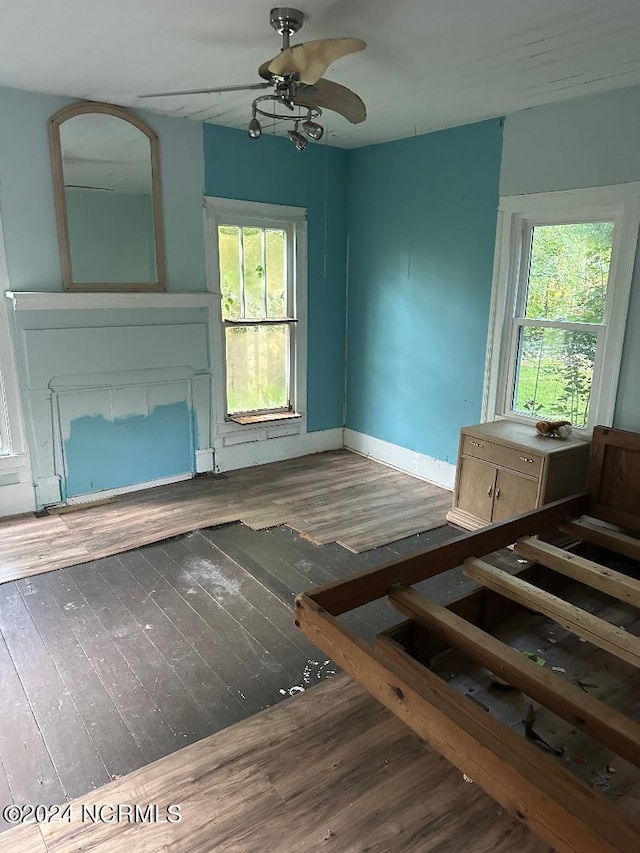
column 310, row 59
column 332, row 96
column 212, row 91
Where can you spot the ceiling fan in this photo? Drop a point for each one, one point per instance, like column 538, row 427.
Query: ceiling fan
column 295, row 75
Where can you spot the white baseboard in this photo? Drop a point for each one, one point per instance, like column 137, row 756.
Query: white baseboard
column 17, row 498
column 410, row 461
column 125, row 490
column 244, row 455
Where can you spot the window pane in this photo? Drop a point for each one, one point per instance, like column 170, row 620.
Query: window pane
column 253, row 265
column 230, row 278
column 276, row 270
column 257, row 368
column 554, row 374
column 569, row 271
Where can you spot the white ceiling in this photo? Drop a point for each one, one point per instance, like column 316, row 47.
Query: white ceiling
column 429, row 64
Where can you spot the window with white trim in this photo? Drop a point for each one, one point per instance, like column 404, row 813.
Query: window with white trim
column 258, row 256
column 564, row 263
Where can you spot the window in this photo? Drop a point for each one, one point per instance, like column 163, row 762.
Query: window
column 259, row 257
column 564, row 263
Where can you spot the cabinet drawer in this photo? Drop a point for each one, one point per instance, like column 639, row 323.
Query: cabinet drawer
column 507, row 457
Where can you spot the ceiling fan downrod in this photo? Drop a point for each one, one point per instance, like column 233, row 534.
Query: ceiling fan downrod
column 286, row 21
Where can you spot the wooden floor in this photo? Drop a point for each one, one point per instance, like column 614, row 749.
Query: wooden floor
column 145, row 671
column 329, row 497
column 329, row 769
column 112, row 664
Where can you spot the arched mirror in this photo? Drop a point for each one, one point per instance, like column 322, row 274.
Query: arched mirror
column 107, row 193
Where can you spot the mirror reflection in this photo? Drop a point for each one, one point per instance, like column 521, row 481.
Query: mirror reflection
column 108, row 190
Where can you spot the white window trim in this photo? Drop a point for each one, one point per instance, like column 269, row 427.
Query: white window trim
column 621, row 203
column 10, row 410
column 219, row 211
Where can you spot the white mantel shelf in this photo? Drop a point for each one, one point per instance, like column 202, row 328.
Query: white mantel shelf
column 33, row 301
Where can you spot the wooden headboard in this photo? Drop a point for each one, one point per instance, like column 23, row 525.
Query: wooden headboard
column 613, row 480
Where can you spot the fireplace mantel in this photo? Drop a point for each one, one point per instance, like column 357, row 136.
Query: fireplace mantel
column 40, row 301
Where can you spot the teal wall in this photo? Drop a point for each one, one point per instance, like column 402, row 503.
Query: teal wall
column 128, row 451
column 271, row 170
column 586, row 142
column 418, row 218
column 28, row 218
column 422, row 219
column 26, row 194
column 111, row 236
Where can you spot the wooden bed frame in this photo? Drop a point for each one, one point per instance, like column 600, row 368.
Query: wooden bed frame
column 529, row 782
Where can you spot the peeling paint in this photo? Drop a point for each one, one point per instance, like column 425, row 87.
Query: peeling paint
column 105, row 454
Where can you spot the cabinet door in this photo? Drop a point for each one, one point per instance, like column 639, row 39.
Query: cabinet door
column 514, row 494
column 475, row 489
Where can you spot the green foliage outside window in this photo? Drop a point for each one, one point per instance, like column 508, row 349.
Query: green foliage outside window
column 568, row 277
column 253, row 267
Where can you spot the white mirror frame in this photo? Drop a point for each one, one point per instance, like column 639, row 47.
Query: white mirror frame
column 55, row 121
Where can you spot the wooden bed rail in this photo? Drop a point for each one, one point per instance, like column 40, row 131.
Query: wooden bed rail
column 540, row 790
column 557, row 806
column 614, row 640
column 340, row 596
column 580, row 709
column 580, row 569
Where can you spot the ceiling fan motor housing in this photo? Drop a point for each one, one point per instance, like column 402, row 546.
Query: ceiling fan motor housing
column 286, row 20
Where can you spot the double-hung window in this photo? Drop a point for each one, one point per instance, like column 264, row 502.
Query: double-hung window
column 259, row 255
column 564, row 263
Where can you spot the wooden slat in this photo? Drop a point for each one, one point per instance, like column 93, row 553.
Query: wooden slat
column 81, row 768
column 366, row 586
column 579, row 622
column 525, row 781
column 582, row 710
column 596, row 534
column 581, row 569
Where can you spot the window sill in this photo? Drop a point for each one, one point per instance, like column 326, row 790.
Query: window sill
column 12, row 463
column 263, row 417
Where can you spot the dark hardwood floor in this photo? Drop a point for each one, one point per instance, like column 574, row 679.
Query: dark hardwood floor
column 110, row 665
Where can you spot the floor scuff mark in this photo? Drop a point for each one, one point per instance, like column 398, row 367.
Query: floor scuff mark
column 208, row 575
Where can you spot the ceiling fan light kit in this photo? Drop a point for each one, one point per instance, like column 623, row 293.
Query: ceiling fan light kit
column 297, row 138
column 255, row 128
column 297, row 81
column 313, row 130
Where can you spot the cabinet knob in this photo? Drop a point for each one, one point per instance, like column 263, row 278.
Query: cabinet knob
column 525, row 458
column 497, row 494
column 490, row 491
column 475, row 444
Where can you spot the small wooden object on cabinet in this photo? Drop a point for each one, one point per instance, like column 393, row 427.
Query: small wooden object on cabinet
column 505, row 468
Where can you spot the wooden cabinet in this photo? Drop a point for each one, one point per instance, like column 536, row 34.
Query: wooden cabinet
column 505, row 468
